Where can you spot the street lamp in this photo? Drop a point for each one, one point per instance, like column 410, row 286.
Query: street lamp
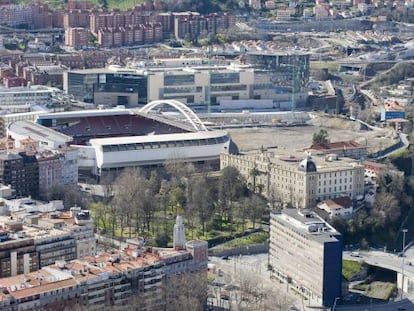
column 402, row 268
column 334, row 305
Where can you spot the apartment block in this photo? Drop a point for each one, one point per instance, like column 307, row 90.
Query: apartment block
column 32, row 171
column 192, row 24
column 17, row 256
column 77, row 37
column 137, row 275
column 306, row 253
column 298, row 180
column 15, row 14
column 76, row 18
column 34, row 240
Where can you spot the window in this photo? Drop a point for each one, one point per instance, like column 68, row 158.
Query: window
column 179, row 80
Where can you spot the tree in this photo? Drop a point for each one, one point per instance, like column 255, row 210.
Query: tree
column 391, row 181
column 100, row 212
column 231, row 187
column 131, row 197
column 320, row 137
column 201, row 197
column 256, row 297
column 70, row 195
column 385, row 210
column 178, row 169
column 253, row 173
column 257, row 208
column 187, row 292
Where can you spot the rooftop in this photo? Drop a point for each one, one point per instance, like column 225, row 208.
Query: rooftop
column 36, row 131
column 336, row 145
column 24, row 89
column 308, row 223
column 291, row 160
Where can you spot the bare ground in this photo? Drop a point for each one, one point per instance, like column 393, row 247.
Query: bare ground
column 299, row 137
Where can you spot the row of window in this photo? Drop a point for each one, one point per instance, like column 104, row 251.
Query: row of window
column 169, row 144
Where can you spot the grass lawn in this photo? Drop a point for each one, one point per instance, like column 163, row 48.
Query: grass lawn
column 254, row 238
column 380, row 290
column 350, row 268
column 332, row 66
column 123, row 4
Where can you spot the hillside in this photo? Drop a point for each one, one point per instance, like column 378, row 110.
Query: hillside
column 110, row 4
column 398, row 72
column 202, row 6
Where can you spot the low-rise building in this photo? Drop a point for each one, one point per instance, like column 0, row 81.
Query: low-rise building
column 299, row 180
column 348, row 149
column 337, row 207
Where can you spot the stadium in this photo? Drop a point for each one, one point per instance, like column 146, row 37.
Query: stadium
column 117, row 138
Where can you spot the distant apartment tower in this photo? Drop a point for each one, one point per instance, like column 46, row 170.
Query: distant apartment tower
column 77, row 37
column 306, row 252
column 41, row 15
column 129, row 35
column 192, row 24
column 76, row 18
column 15, row 14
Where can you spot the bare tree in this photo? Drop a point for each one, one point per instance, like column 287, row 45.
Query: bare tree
column 128, row 199
column 201, row 199
column 187, row 292
column 231, row 186
column 254, row 296
column 385, row 209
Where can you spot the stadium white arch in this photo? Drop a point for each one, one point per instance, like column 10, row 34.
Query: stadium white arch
column 182, row 108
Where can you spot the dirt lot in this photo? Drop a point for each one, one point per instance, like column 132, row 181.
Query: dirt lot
column 299, row 137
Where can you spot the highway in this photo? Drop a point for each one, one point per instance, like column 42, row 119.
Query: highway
column 384, row 260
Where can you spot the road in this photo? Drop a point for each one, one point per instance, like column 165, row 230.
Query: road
column 253, row 266
column 403, row 305
column 384, row 260
column 233, row 268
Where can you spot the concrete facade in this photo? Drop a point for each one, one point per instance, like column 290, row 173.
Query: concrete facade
column 306, row 252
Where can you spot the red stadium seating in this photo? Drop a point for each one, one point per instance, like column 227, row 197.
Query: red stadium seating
column 84, row 129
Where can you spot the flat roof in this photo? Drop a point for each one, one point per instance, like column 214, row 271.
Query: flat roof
column 25, row 89
column 322, row 165
column 156, row 138
column 36, row 131
column 304, row 219
column 85, row 113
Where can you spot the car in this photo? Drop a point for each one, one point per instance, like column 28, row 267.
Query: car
column 355, row 254
column 225, row 257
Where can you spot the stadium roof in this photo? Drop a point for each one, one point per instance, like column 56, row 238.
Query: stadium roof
column 156, row 138
column 86, row 113
column 36, row 131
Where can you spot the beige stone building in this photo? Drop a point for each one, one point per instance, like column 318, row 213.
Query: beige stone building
column 298, row 179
